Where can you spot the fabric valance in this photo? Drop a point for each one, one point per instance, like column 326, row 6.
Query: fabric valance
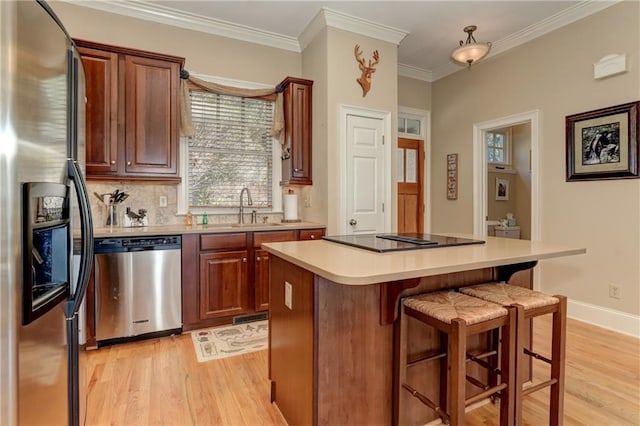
column 186, row 126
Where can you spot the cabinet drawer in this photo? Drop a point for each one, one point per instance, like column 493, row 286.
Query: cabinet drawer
column 311, row 234
column 273, row 237
column 236, row 240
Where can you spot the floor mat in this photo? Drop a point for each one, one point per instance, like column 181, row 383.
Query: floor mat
column 226, row 341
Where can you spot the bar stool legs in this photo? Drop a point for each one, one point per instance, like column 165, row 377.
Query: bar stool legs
column 530, row 304
column 558, row 354
column 458, row 316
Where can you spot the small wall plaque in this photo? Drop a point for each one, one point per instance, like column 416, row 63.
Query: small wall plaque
column 452, row 176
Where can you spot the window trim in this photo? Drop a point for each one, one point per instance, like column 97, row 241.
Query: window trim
column 276, row 172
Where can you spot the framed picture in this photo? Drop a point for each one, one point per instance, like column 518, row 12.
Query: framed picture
column 502, row 189
column 603, row 144
column 452, row 176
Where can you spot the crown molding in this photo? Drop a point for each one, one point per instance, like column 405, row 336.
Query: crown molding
column 168, row 16
column 415, row 73
column 565, row 17
column 331, row 18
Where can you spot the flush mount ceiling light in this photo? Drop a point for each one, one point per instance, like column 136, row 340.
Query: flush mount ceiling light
column 470, row 51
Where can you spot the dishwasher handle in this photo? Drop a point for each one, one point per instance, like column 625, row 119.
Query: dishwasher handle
column 153, row 248
column 132, row 249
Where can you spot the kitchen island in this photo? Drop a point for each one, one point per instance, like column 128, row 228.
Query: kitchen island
column 332, row 313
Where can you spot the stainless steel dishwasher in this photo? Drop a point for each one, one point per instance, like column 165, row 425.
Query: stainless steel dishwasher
column 137, row 288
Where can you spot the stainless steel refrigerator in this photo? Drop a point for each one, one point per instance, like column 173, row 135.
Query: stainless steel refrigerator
column 46, row 240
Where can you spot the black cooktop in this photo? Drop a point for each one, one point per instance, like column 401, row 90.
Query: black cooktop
column 399, row 242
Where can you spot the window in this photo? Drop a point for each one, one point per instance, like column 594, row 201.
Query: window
column 231, row 148
column 412, row 123
column 498, row 151
column 408, row 125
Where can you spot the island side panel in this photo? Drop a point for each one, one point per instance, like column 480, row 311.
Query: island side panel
column 291, row 342
column 354, row 356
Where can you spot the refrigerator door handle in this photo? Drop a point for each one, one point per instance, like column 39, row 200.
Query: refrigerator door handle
column 86, row 224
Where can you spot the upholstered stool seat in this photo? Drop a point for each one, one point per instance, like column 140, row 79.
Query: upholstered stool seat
column 530, row 304
column 457, row 316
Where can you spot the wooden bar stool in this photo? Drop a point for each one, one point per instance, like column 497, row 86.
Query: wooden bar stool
column 530, row 304
column 457, row 316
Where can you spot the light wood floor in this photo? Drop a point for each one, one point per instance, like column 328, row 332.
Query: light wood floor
column 160, row 382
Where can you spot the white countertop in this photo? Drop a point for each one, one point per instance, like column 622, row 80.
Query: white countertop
column 349, row 265
column 139, row 231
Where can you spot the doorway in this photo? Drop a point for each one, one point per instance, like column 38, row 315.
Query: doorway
column 482, row 183
column 410, row 174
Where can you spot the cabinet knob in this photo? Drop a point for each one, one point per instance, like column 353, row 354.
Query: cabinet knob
column 244, row 260
column 128, row 163
column 296, row 170
column 113, row 161
column 258, row 258
column 313, row 237
column 353, row 222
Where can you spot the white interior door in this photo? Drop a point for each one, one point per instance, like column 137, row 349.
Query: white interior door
column 365, row 183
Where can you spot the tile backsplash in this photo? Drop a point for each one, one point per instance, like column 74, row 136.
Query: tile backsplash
column 147, row 196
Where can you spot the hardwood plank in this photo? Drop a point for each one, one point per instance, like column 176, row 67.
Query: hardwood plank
column 602, row 383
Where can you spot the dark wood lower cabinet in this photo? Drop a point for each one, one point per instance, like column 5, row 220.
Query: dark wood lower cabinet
column 223, row 284
column 227, row 274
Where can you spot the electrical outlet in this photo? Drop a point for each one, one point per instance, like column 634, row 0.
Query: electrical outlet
column 307, row 201
column 163, row 201
column 288, row 295
column 614, row 291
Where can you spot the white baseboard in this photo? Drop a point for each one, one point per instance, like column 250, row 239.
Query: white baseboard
column 620, row 322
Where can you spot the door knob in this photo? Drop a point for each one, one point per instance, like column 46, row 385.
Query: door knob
column 353, row 222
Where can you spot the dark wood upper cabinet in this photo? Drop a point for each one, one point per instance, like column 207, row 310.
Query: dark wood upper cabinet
column 296, row 164
column 132, row 113
column 101, row 74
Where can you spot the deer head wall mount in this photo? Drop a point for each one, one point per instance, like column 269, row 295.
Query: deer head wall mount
column 365, row 78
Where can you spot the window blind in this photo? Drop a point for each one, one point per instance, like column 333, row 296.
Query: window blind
column 231, row 148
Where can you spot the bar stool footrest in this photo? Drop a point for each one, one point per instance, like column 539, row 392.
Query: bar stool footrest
column 483, row 363
column 426, row 401
column 537, row 356
column 539, row 386
column 485, row 394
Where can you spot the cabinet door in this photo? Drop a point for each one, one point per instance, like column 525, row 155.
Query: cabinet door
column 223, row 284
column 297, row 111
column 151, row 116
column 101, row 73
column 262, row 279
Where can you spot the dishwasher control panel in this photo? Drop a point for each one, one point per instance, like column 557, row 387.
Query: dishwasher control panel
column 114, row 245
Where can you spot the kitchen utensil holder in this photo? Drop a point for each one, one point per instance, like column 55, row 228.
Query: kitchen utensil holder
column 112, row 215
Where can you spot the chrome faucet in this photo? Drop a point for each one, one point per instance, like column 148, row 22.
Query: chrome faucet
column 249, row 203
